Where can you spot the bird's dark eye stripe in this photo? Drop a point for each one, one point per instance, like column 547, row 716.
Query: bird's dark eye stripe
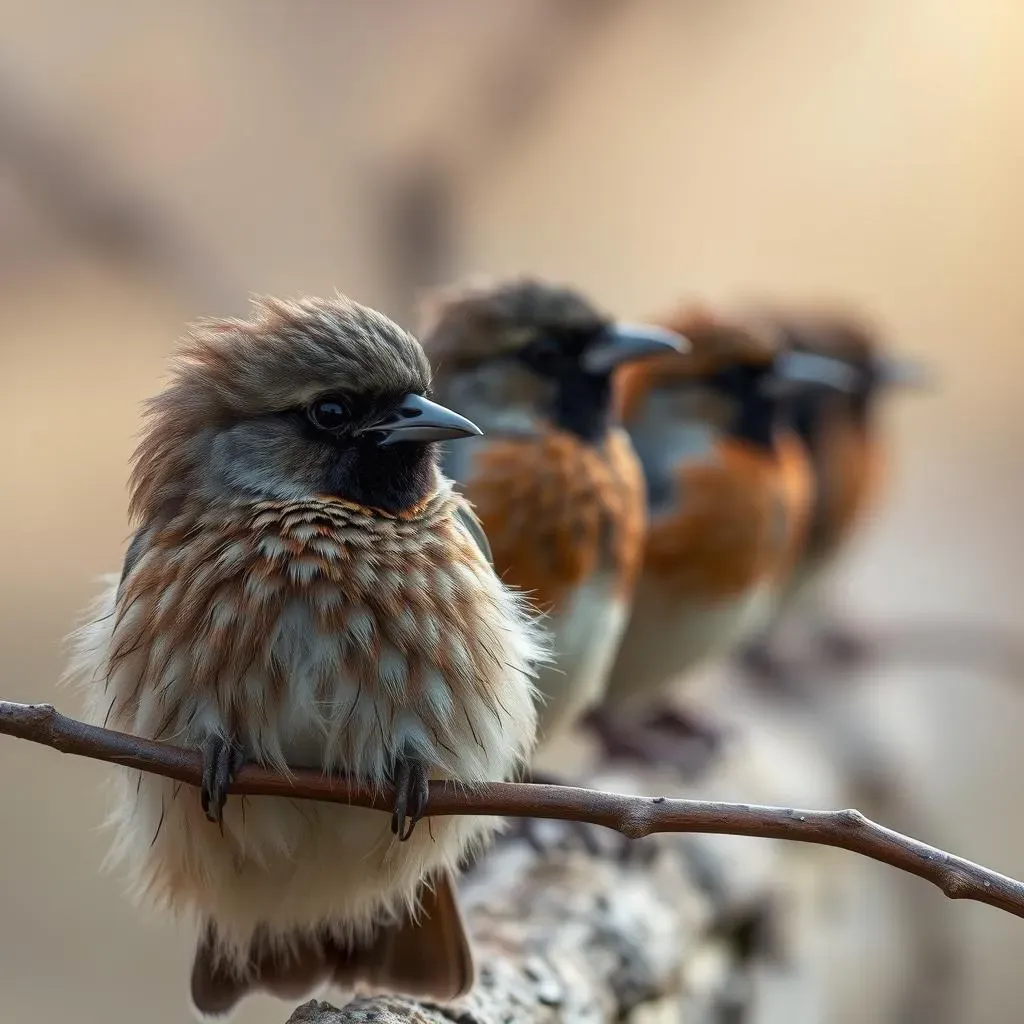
column 542, row 349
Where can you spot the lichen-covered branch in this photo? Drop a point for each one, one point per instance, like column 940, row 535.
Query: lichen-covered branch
column 564, row 936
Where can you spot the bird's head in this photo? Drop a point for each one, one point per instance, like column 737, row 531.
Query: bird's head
column 736, row 379
column 524, row 356
column 855, row 342
column 308, row 398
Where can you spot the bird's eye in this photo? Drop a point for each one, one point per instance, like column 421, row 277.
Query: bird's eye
column 737, row 381
column 328, row 414
column 541, row 352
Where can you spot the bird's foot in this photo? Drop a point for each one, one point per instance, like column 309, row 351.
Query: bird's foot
column 222, row 758
column 760, row 659
column 757, row 933
column 843, row 646
column 684, row 740
column 412, row 790
column 769, row 673
column 691, row 728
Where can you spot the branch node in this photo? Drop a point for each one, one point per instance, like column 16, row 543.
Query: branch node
column 852, row 818
column 958, row 886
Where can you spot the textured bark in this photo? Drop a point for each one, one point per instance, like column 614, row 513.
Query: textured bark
column 653, row 929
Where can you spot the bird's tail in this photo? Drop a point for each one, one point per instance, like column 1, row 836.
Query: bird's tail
column 427, row 956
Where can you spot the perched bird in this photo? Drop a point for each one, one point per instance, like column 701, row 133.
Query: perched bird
column 555, row 481
column 304, row 589
column 729, row 491
column 841, row 431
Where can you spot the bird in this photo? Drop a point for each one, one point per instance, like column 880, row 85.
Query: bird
column 841, row 431
column 305, row 589
column 729, row 490
column 554, row 479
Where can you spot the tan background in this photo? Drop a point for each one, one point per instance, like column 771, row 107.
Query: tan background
column 870, row 150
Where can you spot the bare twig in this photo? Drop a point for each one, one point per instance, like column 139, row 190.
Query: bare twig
column 96, row 206
column 948, row 645
column 633, row 816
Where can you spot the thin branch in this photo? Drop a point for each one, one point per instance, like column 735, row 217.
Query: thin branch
column 947, row 645
column 96, row 206
column 633, row 816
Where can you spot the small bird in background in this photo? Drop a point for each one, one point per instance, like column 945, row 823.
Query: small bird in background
column 730, row 491
column 840, row 429
column 555, row 482
column 305, row 589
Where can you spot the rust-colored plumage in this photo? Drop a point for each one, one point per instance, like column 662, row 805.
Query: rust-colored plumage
column 800, row 488
column 738, row 524
column 304, row 588
column 730, row 490
column 557, row 510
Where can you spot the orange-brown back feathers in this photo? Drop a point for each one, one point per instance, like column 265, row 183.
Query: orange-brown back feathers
column 729, row 494
column 738, row 522
column 557, row 510
column 740, row 509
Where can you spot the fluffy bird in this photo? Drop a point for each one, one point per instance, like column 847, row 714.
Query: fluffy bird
column 841, row 431
column 305, row 589
column 555, row 481
column 729, row 490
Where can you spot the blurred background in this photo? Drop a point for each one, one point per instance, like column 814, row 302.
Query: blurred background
column 162, row 161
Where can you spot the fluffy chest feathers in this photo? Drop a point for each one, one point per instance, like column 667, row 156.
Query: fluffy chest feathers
column 314, row 633
column 586, row 633
column 559, row 511
column 320, row 633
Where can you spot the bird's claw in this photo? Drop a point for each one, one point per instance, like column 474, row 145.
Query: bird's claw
column 843, row 646
column 687, row 724
column 222, row 758
column 760, row 661
column 412, row 790
column 684, row 740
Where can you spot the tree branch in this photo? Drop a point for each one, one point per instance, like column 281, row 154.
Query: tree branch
column 98, row 210
column 565, row 932
column 635, row 817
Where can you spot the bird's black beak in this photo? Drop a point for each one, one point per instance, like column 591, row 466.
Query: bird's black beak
column 793, row 370
column 622, row 343
column 419, row 419
column 902, row 373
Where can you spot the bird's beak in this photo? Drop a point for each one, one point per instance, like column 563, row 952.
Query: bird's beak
column 794, row 369
column 622, row 343
column 902, row 373
column 419, row 419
